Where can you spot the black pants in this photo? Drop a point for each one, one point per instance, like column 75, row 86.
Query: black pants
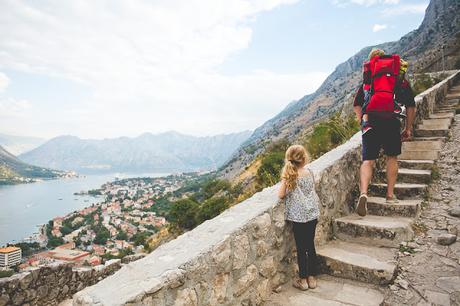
column 304, row 235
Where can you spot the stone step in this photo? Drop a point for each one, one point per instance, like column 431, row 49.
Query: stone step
column 358, row 262
column 404, row 208
column 444, row 112
column 374, row 230
column 451, row 102
column 402, row 190
column 436, row 122
column 331, row 291
column 419, row 154
column 423, row 131
column 446, row 109
column 422, row 145
column 438, row 138
column 412, row 175
column 453, row 95
column 416, row 164
column 448, row 115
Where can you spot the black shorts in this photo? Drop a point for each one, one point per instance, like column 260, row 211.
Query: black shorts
column 386, row 134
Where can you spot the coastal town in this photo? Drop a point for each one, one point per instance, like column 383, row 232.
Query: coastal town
column 119, row 225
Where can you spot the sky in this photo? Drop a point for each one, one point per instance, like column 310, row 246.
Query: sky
column 103, row 69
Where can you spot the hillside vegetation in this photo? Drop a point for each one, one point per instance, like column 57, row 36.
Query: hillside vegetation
column 13, row 171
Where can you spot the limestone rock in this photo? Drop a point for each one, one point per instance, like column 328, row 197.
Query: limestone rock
column 402, row 283
column 267, row 267
column 262, row 226
column 455, row 211
column 186, row 297
column 241, row 250
column 449, row 283
column 247, row 280
column 222, row 255
column 446, row 239
column 219, row 289
column 261, row 248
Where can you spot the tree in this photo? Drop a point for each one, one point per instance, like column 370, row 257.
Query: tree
column 102, row 235
column 211, row 208
column 122, row 235
column 269, row 171
column 140, row 238
column 212, row 187
column 183, row 213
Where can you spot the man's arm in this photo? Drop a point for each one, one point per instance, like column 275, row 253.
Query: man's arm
column 358, row 102
column 407, row 133
column 406, row 96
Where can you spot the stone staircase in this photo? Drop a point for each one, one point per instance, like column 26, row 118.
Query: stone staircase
column 364, row 251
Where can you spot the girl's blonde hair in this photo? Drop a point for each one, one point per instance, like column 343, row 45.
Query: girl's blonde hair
column 296, row 156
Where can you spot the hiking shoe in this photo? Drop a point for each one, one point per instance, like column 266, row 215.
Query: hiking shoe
column 392, row 200
column 362, row 205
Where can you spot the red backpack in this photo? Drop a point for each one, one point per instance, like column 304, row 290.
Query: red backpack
column 381, row 75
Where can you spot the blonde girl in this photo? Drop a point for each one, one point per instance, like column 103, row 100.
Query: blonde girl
column 302, row 210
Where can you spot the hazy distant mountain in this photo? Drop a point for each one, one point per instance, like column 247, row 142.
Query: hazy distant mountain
column 438, row 34
column 19, row 144
column 170, row 151
column 12, row 170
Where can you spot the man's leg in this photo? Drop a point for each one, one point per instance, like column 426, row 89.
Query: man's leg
column 366, row 174
column 392, row 175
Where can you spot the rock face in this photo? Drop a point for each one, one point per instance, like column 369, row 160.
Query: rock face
column 11, row 167
column 422, row 47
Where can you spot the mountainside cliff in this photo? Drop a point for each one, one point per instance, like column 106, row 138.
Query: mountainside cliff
column 169, row 151
column 423, row 48
column 12, row 170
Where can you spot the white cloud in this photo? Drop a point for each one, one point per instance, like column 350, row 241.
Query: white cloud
column 150, row 64
column 405, row 9
column 378, row 27
column 13, row 107
column 4, row 82
column 343, row 3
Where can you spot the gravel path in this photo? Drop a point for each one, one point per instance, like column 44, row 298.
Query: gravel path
column 430, row 265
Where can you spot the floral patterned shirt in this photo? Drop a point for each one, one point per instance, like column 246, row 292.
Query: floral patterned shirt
column 302, row 203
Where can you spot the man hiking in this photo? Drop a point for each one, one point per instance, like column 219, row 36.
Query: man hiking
column 378, row 101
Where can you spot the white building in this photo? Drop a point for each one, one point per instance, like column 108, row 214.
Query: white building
column 10, row 256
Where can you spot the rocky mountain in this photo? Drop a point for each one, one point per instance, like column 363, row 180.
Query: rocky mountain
column 19, row 144
column 170, row 151
column 438, row 35
column 12, row 170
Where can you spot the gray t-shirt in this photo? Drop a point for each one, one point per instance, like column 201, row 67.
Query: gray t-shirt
column 302, row 203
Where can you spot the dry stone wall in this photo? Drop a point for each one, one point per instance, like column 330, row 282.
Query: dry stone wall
column 49, row 285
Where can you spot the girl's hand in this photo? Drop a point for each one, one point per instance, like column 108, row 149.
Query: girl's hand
column 282, row 190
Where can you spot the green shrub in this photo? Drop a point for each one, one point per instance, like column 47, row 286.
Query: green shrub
column 421, row 83
column 211, row 208
column 183, row 213
column 212, row 187
column 6, row 273
column 269, row 171
column 330, row 133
